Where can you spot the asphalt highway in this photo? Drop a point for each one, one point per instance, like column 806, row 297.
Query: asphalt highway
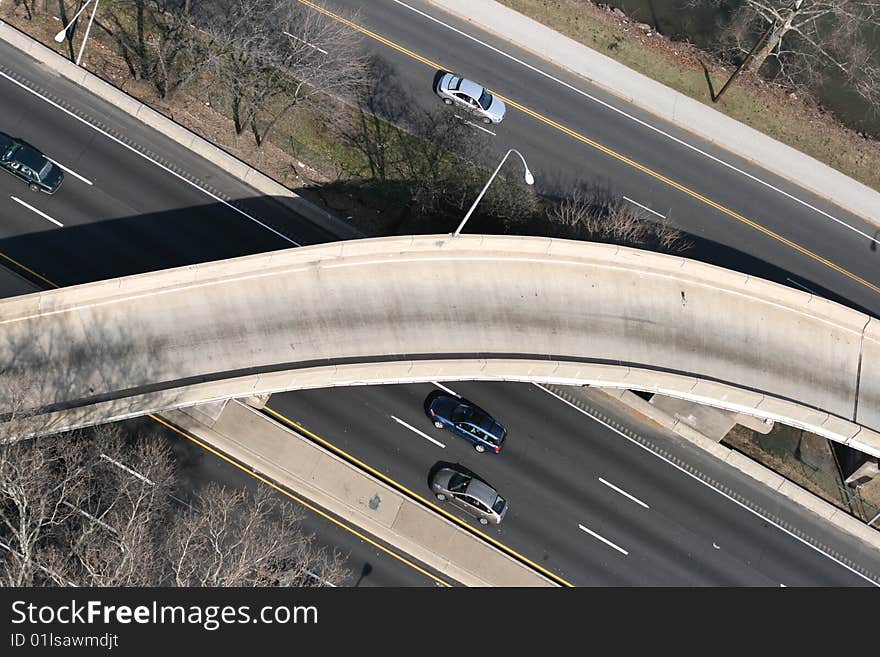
column 133, row 201
column 590, row 504
column 582, row 132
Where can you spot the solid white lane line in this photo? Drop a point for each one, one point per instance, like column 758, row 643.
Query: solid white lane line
column 413, row 429
column 644, row 207
column 33, row 209
column 70, row 171
column 449, row 390
column 604, row 540
column 875, row 240
column 305, row 42
column 624, row 493
column 149, row 159
column 710, row 486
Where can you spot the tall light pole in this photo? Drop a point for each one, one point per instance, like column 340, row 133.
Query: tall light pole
column 530, row 180
column 60, row 36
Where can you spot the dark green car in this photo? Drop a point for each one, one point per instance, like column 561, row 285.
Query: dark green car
column 23, row 160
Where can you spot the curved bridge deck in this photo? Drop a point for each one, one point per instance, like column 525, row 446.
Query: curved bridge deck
column 432, row 307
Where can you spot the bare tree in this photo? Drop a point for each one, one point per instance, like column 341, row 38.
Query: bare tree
column 120, row 523
column 157, row 40
column 594, row 213
column 96, row 508
column 809, row 41
column 238, row 539
column 271, row 55
column 31, row 8
column 34, row 480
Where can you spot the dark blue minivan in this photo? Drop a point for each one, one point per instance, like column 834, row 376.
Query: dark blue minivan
column 466, row 419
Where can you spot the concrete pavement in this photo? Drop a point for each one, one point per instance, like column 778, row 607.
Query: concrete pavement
column 387, row 310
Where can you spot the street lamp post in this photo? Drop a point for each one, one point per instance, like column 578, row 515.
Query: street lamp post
column 60, row 36
column 530, row 180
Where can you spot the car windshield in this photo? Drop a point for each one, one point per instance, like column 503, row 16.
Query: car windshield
column 454, row 82
column 498, row 507
column 485, row 99
column 458, row 482
column 45, row 170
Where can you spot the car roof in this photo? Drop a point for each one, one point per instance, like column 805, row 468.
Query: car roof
column 482, row 491
column 30, row 157
column 472, row 89
column 485, row 421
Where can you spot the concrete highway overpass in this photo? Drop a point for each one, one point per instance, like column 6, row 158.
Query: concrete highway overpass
column 428, row 308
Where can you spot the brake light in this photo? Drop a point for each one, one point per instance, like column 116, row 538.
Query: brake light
column 431, row 412
column 497, row 448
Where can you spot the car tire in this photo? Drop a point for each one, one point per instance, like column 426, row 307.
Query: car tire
column 487, row 120
column 483, row 521
column 479, row 448
column 441, row 496
column 448, row 101
column 438, row 424
column 33, row 187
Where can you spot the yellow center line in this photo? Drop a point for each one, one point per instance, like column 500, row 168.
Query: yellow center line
column 604, row 149
column 442, row 511
column 306, row 504
column 28, row 270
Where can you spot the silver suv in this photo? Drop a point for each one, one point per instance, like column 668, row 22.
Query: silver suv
column 469, row 493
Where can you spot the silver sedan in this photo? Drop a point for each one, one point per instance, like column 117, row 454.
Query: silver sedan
column 458, row 91
column 469, row 493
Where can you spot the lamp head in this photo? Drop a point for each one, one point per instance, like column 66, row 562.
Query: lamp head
column 530, row 180
column 60, row 36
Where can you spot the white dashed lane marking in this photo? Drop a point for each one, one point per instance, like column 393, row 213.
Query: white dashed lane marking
column 624, row 493
column 449, row 390
column 643, row 207
column 603, row 539
column 70, row 171
column 39, row 212
column 414, row 430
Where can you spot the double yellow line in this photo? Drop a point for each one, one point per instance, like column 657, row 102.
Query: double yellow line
column 604, row 149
